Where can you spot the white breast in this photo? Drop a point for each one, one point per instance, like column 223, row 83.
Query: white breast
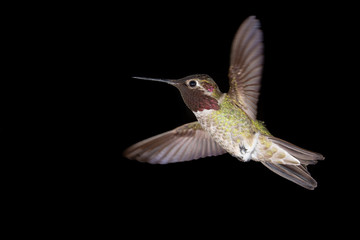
column 205, row 120
column 231, row 141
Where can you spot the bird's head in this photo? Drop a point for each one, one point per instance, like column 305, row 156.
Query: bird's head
column 199, row 92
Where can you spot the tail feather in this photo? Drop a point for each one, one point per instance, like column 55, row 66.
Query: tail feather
column 295, row 173
column 287, row 160
column 304, row 156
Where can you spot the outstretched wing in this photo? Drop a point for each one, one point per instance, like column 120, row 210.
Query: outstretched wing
column 187, row 142
column 246, row 62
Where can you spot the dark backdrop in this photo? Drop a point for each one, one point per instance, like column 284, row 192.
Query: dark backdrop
column 294, row 103
column 101, row 110
column 166, row 44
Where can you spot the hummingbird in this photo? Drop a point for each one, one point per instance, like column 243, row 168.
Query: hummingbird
column 226, row 122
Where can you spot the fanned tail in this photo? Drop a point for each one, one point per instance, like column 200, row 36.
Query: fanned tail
column 295, row 173
column 288, row 161
column 304, row 156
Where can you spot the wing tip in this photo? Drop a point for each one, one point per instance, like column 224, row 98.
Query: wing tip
column 185, row 143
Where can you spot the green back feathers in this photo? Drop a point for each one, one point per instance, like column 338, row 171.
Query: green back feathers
column 260, row 125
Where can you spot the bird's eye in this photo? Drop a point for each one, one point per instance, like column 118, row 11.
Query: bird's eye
column 192, row 83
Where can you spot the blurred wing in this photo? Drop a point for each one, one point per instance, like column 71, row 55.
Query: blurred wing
column 246, row 62
column 187, row 142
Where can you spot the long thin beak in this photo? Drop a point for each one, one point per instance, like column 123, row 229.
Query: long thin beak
column 168, row 81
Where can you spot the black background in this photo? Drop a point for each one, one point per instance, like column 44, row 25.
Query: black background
column 89, row 54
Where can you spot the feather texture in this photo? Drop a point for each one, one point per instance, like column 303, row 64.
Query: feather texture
column 304, row 156
column 246, row 66
column 295, row 173
column 187, row 142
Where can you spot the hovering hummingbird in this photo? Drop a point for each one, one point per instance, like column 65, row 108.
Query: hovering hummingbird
column 226, row 122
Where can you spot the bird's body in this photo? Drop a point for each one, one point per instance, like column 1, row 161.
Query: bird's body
column 242, row 137
column 230, row 127
column 226, row 122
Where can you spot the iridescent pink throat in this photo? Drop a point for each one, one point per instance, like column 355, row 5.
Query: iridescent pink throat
column 206, row 103
column 197, row 101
